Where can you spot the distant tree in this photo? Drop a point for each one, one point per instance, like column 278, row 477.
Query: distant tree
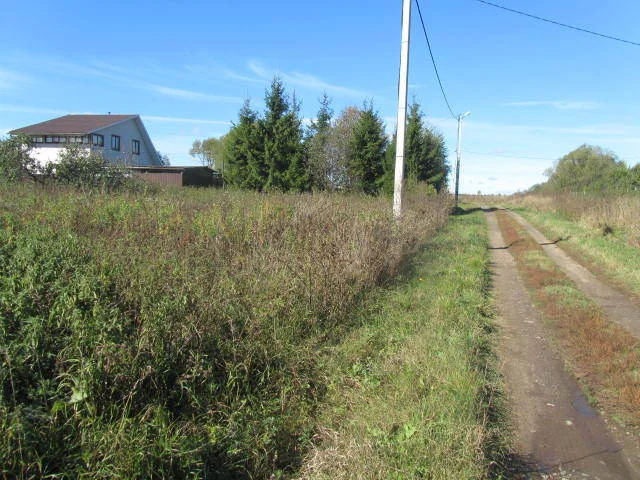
column 208, row 151
column 588, row 169
column 164, row 159
column 367, row 149
column 16, row 160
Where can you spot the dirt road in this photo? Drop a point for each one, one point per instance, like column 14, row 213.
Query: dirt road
column 615, row 305
column 559, row 435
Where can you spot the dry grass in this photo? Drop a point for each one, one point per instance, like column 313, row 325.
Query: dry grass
column 179, row 334
column 601, row 354
column 604, row 214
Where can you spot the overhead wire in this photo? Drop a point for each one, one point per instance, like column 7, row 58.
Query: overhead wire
column 572, row 27
column 524, row 157
column 435, row 67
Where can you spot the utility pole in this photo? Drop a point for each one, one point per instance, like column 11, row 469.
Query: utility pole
column 459, row 153
column 402, row 108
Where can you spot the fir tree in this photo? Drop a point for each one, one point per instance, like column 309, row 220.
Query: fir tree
column 242, row 153
column 425, row 151
column 367, row 152
column 281, row 135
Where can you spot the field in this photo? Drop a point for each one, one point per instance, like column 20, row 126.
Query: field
column 191, row 334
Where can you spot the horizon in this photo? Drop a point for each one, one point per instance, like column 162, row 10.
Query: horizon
column 536, row 91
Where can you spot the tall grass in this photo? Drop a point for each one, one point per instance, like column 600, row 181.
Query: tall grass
column 176, row 335
column 605, row 213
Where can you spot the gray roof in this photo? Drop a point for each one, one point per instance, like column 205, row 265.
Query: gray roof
column 72, row 125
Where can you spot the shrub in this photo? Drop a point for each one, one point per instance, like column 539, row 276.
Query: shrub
column 16, row 162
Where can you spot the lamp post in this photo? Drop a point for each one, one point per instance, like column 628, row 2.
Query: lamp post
column 459, row 153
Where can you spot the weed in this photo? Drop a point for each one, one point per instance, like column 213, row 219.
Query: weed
column 177, row 334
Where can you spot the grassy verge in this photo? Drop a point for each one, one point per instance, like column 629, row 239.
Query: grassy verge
column 612, row 255
column 413, row 392
column 602, row 355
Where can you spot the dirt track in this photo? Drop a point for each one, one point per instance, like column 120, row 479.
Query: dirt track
column 559, row 435
column 615, row 305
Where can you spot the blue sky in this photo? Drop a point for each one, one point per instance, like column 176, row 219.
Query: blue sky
column 536, row 91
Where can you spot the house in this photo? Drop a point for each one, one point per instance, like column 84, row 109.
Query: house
column 121, row 139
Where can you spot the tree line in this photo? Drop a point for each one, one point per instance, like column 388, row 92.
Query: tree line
column 274, row 151
column 591, row 169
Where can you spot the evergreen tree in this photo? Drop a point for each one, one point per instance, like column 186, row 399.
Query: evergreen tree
column 281, row 135
column 323, row 120
column 434, row 169
column 367, row 151
column 297, row 174
column 425, row 151
column 242, row 153
column 414, row 146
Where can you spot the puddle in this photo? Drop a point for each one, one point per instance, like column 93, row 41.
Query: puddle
column 581, row 406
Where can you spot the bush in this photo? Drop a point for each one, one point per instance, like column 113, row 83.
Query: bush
column 87, row 169
column 16, row 162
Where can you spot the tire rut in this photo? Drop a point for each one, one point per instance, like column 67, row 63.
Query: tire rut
column 559, row 435
column 616, row 306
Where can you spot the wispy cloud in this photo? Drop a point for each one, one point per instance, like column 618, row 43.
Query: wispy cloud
column 557, row 104
column 26, row 109
column 9, row 79
column 190, row 94
column 152, row 118
column 303, row 80
column 114, row 74
column 244, row 78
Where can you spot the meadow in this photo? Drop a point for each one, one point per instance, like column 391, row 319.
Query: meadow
column 180, row 334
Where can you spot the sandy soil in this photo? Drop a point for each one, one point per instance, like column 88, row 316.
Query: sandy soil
column 559, row 435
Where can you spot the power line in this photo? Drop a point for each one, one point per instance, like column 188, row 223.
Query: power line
column 584, row 30
column 434, row 62
column 517, row 156
column 525, row 157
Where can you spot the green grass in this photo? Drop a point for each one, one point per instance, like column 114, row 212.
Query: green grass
column 176, row 335
column 413, row 392
column 619, row 260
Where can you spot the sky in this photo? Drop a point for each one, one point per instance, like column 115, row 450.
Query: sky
column 535, row 91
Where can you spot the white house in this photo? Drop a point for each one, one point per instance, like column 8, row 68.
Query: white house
column 122, row 139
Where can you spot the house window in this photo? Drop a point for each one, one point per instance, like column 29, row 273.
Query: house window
column 76, row 139
column 48, row 139
column 62, row 139
column 38, row 139
column 135, row 147
column 97, row 140
column 115, row 142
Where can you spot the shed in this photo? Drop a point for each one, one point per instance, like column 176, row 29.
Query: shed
column 181, row 176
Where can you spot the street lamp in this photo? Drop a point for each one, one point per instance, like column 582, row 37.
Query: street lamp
column 458, row 152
